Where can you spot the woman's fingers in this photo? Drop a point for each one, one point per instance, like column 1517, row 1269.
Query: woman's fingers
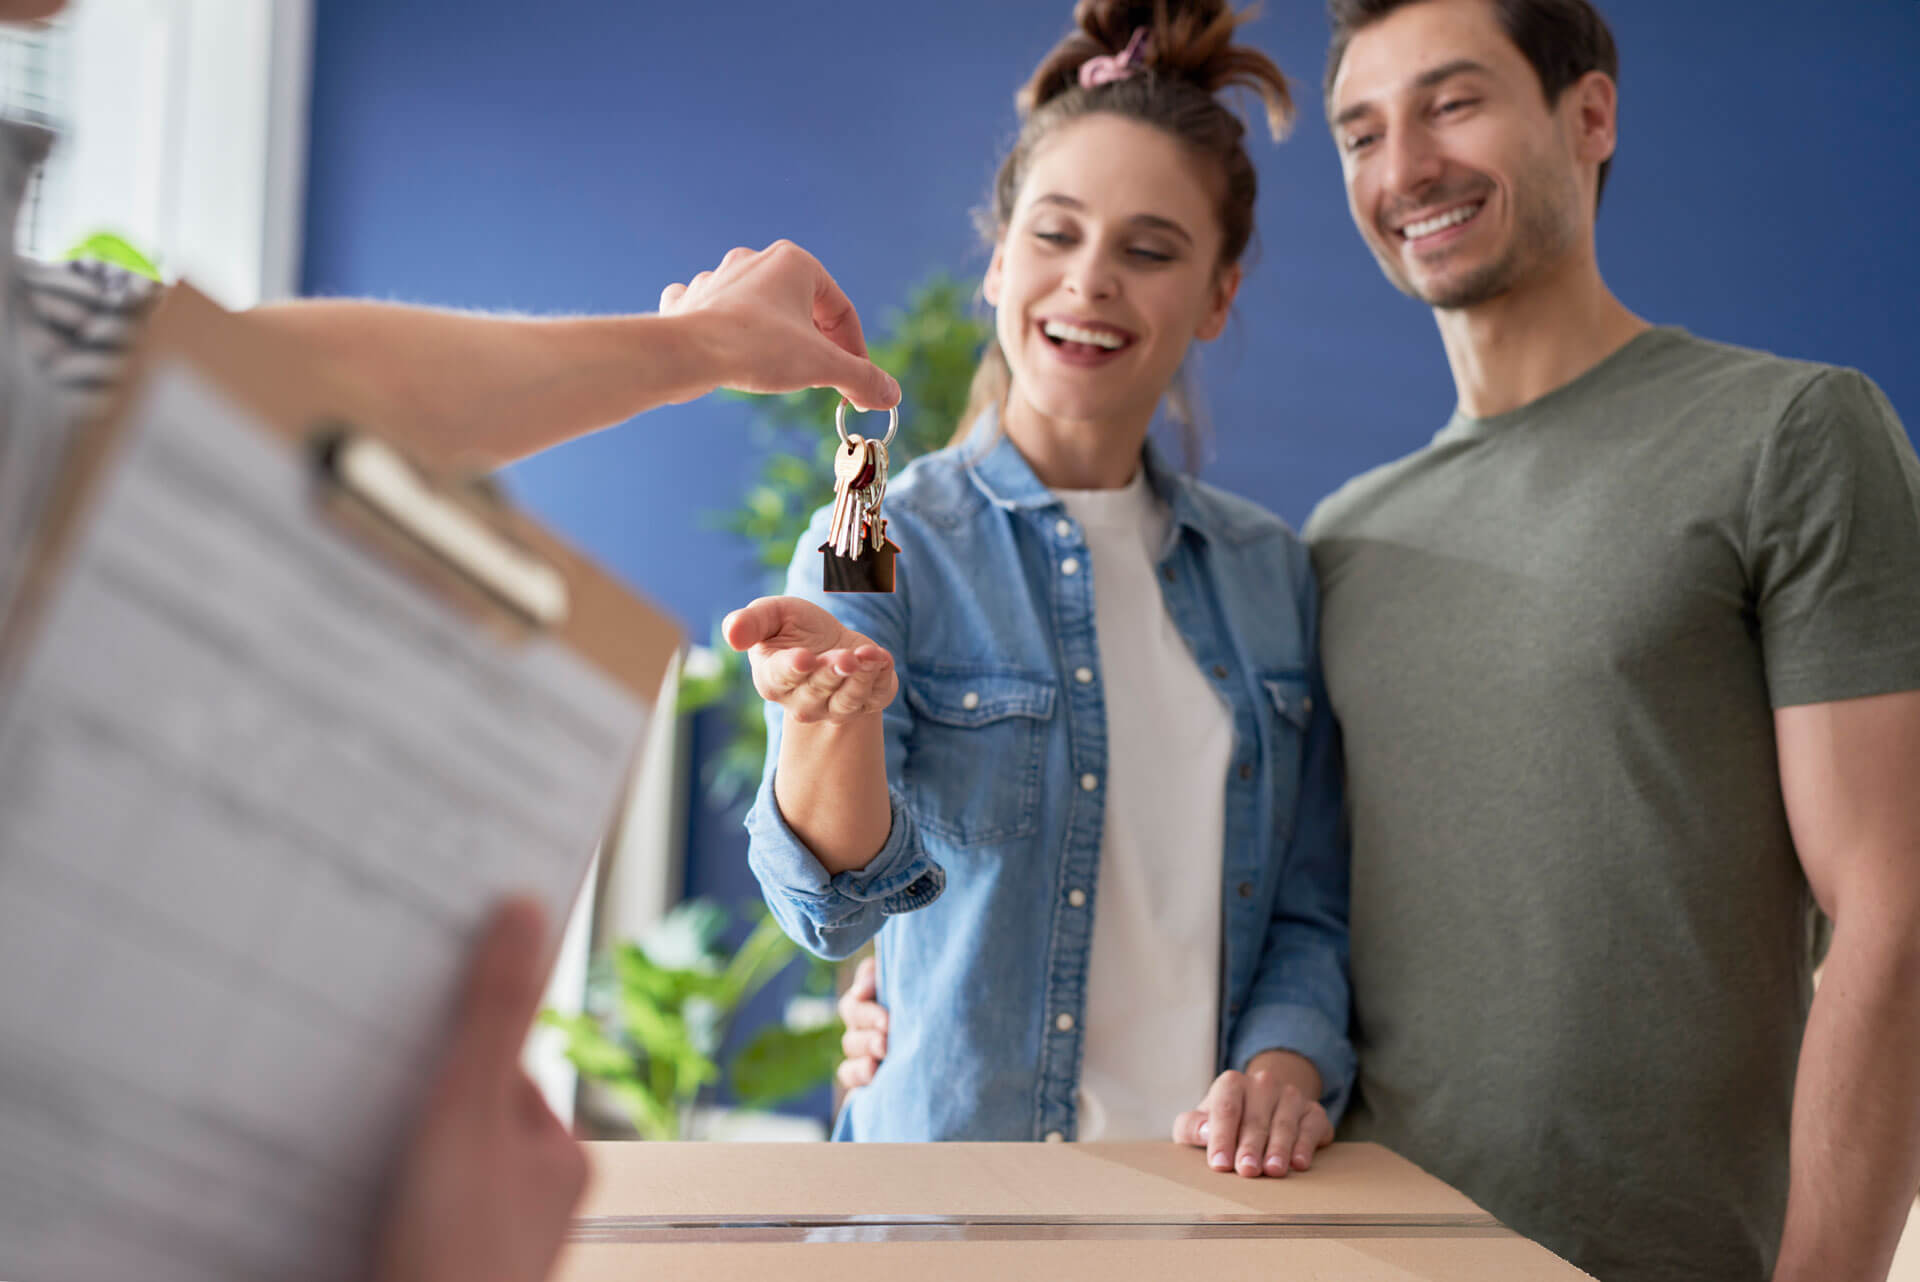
column 846, row 684
column 1250, row 1156
column 1316, row 1132
column 1226, row 1105
column 1284, row 1132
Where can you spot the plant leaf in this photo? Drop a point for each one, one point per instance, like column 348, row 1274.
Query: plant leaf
column 779, row 1064
column 106, row 247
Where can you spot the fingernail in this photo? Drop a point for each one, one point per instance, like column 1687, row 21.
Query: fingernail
column 1273, row 1163
column 1221, row 1162
column 1203, row 1125
column 1247, row 1163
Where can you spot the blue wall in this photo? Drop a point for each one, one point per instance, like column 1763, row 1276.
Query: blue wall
column 578, row 155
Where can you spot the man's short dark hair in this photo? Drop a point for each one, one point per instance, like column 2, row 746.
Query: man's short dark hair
column 1562, row 39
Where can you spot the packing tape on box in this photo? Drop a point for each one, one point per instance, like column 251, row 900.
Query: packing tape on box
column 822, row 1229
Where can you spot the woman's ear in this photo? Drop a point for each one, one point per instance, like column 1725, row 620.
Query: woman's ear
column 1226, row 284
column 990, row 287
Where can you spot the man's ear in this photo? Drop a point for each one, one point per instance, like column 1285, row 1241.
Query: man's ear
column 1595, row 117
column 1226, row 285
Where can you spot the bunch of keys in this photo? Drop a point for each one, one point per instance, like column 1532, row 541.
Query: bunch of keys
column 859, row 555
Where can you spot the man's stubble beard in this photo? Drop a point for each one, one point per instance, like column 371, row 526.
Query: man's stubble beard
column 1545, row 229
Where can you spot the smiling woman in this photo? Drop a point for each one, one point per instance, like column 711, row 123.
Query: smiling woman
column 1098, row 834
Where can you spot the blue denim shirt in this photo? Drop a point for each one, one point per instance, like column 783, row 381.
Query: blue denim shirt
column 990, row 746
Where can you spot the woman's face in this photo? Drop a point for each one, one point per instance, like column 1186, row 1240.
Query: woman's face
column 1107, row 269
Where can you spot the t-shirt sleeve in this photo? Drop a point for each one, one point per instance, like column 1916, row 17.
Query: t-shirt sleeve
column 1833, row 539
column 84, row 318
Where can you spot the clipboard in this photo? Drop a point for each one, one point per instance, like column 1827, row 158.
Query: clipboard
column 283, row 711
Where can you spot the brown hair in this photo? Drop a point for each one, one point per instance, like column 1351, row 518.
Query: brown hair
column 1562, row 39
column 1190, row 57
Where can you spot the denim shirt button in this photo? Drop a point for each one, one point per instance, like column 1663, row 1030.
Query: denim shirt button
column 1083, row 675
column 1070, row 566
column 1064, row 529
column 1055, row 1137
column 970, row 700
column 1089, row 782
column 1220, row 671
column 1246, row 770
column 1063, row 1022
column 1077, row 898
column 1246, row 890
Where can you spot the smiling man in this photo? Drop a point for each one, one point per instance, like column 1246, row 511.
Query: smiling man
column 1627, row 662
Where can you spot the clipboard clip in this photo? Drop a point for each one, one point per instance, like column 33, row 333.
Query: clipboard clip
column 386, row 484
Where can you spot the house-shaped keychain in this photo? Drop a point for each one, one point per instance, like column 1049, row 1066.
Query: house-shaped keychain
column 870, row 570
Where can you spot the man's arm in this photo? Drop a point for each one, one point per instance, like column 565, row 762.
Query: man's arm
column 481, row 391
column 1850, row 772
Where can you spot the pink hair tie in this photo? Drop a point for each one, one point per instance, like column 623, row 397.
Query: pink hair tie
column 1109, row 67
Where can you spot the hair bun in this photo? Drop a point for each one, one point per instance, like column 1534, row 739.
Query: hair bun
column 1188, row 40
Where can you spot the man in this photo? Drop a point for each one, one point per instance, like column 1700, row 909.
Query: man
column 485, row 1189
column 1628, row 666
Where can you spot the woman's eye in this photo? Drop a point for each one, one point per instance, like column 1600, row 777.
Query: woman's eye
column 1150, row 255
column 1053, row 237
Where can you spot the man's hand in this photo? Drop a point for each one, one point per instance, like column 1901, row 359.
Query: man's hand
column 779, row 323
column 817, row 670
column 486, row 1188
column 865, row 1042
column 1266, row 1121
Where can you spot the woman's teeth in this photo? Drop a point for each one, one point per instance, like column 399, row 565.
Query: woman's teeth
column 1439, row 222
column 1074, row 334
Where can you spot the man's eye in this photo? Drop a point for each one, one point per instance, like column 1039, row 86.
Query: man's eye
column 1457, row 104
column 1359, row 142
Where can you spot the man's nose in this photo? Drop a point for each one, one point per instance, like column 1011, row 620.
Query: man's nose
column 1413, row 164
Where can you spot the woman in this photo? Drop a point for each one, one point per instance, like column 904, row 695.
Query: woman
column 1098, row 831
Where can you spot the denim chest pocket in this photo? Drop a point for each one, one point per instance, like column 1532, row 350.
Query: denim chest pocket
column 973, row 765
column 1290, row 702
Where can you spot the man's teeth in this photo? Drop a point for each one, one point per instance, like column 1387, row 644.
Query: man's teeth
column 1439, row 222
column 1074, row 334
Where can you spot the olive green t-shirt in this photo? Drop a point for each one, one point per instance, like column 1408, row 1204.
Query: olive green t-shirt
column 1555, row 640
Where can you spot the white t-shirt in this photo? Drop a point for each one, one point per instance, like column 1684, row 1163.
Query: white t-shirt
column 1152, row 991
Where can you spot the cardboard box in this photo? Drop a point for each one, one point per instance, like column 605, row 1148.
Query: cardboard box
column 1018, row 1212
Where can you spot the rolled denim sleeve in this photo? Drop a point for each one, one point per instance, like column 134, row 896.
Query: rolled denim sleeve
column 1301, row 999
column 833, row 915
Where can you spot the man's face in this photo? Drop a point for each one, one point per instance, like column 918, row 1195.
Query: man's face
column 1461, row 179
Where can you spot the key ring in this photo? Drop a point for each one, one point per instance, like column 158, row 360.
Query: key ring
column 840, row 422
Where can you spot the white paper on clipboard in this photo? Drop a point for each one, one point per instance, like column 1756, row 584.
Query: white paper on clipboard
column 257, row 790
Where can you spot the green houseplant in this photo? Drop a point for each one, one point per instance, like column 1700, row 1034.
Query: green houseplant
column 659, row 1009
